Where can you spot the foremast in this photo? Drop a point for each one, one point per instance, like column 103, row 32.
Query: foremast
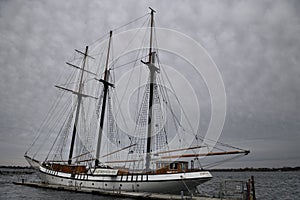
column 79, row 99
column 106, row 85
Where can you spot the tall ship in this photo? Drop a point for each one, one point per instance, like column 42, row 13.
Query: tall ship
column 87, row 140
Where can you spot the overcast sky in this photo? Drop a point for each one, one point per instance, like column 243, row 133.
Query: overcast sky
column 255, row 44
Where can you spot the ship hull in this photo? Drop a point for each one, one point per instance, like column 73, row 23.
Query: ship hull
column 156, row 183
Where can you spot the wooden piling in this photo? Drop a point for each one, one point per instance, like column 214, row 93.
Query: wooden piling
column 253, row 188
column 248, row 196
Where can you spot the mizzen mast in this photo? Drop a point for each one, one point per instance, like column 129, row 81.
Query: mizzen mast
column 106, row 84
column 153, row 69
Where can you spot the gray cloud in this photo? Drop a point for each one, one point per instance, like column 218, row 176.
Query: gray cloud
column 255, row 44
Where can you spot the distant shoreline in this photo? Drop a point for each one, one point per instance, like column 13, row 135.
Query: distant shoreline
column 250, row 169
column 15, row 167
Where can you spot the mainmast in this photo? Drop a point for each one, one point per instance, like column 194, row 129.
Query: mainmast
column 78, row 107
column 152, row 83
column 105, row 91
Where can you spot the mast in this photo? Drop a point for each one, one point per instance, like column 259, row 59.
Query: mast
column 78, row 107
column 151, row 33
column 105, row 91
column 152, row 72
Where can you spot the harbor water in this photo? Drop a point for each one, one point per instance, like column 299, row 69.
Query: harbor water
column 268, row 186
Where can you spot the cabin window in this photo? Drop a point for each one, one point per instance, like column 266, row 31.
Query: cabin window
column 173, row 166
column 183, row 166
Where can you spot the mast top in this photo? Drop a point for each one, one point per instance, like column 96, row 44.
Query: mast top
column 152, row 10
column 85, row 53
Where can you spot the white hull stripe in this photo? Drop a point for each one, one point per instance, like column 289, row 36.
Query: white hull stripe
column 122, row 178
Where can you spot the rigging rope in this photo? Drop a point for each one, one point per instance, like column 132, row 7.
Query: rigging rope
column 58, row 133
column 129, row 43
column 48, row 117
column 210, row 165
column 118, row 28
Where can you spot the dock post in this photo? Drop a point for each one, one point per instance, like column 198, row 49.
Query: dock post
column 252, row 187
column 248, row 190
column 221, row 192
